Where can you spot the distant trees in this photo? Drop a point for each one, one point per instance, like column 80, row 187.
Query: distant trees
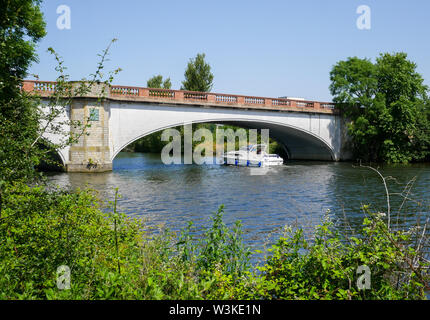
column 388, row 107
column 157, row 82
column 198, row 75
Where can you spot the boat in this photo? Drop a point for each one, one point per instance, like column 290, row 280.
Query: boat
column 252, row 156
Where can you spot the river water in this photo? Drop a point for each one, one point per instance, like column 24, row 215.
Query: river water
column 298, row 193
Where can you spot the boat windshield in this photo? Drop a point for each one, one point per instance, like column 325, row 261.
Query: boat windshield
column 247, row 148
column 259, row 148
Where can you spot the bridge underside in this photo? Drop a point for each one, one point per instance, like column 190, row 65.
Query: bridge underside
column 298, row 144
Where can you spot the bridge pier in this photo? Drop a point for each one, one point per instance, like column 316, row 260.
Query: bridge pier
column 92, row 151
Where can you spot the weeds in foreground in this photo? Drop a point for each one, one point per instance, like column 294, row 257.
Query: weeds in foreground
column 111, row 256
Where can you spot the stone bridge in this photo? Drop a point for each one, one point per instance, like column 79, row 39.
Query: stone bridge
column 308, row 130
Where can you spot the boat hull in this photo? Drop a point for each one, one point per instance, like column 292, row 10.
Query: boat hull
column 243, row 162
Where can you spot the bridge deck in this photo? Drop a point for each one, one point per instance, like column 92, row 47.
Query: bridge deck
column 205, row 99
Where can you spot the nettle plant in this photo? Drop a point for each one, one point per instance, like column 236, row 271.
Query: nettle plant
column 217, row 248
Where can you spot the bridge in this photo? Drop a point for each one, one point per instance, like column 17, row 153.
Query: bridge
column 308, row 130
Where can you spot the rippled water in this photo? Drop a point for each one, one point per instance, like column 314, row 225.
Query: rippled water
column 298, row 192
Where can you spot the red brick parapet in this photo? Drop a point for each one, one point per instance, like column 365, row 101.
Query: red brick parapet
column 182, row 97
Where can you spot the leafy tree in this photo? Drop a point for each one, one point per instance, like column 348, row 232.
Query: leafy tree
column 353, row 82
column 24, row 118
column 21, row 27
column 157, row 82
column 198, row 76
column 387, row 105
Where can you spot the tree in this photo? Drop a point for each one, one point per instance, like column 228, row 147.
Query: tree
column 23, row 122
column 157, row 82
column 21, row 27
column 198, row 76
column 387, row 105
column 353, row 82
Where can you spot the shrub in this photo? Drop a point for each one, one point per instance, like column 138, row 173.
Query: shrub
column 326, row 267
column 111, row 256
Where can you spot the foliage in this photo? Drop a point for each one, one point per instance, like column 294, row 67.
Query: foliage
column 112, row 256
column 24, row 118
column 387, row 105
column 157, row 82
column 326, row 267
column 43, row 230
column 198, row 75
column 21, row 27
column 219, row 248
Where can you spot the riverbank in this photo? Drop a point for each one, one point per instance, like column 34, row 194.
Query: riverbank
column 111, row 256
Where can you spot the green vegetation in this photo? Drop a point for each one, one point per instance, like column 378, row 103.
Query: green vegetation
column 198, row 75
column 387, row 105
column 112, row 256
column 21, row 27
column 22, row 122
column 157, row 82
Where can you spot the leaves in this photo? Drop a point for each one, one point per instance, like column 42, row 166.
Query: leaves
column 157, row 82
column 23, row 121
column 42, row 229
column 387, row 106
column 198, row 75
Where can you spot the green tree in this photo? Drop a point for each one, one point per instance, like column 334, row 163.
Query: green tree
column 198, row 75
column 387, row 105
column 157, row 82
column 21, row 27
column 23, row 122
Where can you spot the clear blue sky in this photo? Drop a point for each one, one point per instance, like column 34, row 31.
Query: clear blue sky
column 262, row 48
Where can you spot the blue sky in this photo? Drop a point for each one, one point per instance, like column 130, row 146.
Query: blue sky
column 261, row 48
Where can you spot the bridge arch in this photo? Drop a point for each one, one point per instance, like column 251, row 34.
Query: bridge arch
column 299, row 143
column 56, row 159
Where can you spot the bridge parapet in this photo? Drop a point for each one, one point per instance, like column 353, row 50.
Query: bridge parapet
column 141, row 94
column 47, row 88
column 230, row 100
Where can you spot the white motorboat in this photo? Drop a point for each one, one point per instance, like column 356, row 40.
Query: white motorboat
column 252, row 156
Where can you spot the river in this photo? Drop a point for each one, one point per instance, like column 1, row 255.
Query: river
column 298, row 193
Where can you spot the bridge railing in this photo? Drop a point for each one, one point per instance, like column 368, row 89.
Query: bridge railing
column 139, row 93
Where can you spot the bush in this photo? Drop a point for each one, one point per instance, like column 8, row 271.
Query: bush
column 41, row 230
column 111, row 256
column 326, row 267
